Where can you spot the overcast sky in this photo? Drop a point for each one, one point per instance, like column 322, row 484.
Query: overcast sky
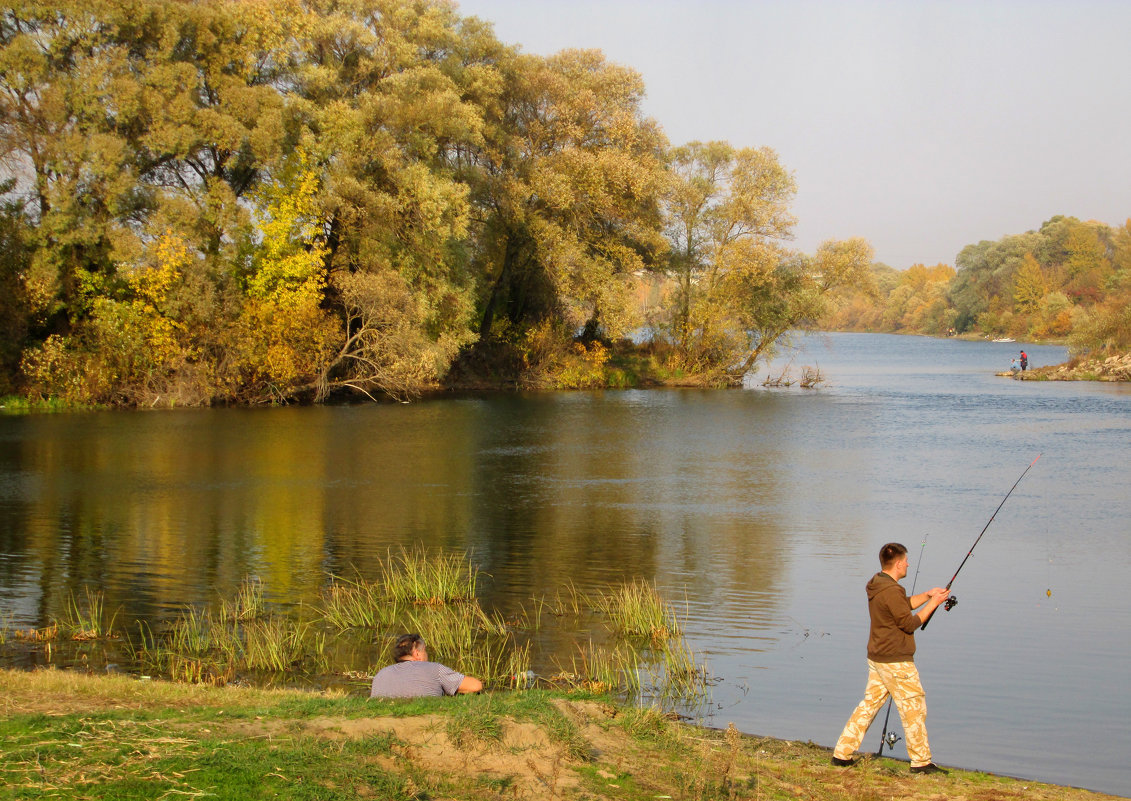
column 922, row 126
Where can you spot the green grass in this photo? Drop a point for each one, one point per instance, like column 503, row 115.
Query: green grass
column 67, row 735
column 349, row 604
column 18, row 404
column 474, row 723
column 414, row 577
column 602, row 669
column 247, row 605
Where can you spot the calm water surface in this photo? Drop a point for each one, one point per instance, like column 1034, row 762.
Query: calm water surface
column 764, row 509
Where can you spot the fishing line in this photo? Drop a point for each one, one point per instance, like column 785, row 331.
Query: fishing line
column 952, row 600
column 1048, row 552
column 894, row 738
column 1050, row 559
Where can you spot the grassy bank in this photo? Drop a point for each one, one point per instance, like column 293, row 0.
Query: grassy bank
column 69, row 735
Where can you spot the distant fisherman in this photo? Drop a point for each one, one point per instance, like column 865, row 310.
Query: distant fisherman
column 413, row 676
column 891, row 669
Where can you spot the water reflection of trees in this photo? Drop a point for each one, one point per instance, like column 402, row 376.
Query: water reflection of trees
column 542, row 491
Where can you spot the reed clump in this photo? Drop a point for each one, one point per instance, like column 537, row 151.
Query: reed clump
column 279, row 645
column 248, row 603
column 86, row 621
column 347, row 604
column 568, row 601
column 636, row 609
column 241, row 638
column 676, row 674
column 601, row 669
column 414, row 577
column 204, row 646
column 642, row 652
column 406, row 579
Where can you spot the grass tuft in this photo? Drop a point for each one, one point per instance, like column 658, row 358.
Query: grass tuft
column 475, row 723
column 349, row 604
column 637, row 609
column 413, row 577
column 248, row 603
column 86, row 621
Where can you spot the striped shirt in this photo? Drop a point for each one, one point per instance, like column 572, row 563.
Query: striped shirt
column 413, row 679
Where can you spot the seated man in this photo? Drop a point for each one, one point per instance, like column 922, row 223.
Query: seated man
column 412, row 675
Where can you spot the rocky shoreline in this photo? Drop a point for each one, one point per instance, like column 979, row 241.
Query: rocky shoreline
column 1092, row 367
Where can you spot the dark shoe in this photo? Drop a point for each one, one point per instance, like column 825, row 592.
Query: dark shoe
column 930, row 767
column 843, row 763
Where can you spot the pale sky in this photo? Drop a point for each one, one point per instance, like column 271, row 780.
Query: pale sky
column 922, row 126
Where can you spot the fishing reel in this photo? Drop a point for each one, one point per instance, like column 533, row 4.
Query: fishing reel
column 950, row 603
column 892, row 739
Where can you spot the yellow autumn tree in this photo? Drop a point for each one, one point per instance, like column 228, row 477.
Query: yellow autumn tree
column 283, row 337
column 1029, row 285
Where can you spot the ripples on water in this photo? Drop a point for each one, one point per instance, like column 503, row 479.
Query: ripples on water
column 761, row 511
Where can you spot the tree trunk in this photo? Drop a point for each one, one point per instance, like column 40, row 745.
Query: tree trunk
column 510, row 256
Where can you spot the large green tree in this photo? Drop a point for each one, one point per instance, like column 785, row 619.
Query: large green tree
column 566, row 189
column 395, row 91
column 738, row 289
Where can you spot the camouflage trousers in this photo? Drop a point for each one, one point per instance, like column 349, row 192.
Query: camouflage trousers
column 900, row 680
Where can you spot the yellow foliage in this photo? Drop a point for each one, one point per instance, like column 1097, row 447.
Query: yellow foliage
column 278, row 349
column 290, row 267
column 150, row 287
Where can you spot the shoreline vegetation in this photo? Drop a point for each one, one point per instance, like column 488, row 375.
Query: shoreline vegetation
column 627, row 366
column 70, row 734
column 262, row 202
column 624, row 639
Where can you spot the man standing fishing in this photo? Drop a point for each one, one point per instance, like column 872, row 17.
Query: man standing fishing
column 891, row 669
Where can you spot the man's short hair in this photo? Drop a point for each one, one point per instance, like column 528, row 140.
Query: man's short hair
column 891, row 552
column 405, row 645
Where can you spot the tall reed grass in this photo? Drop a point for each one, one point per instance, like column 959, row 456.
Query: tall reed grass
column 636, row 609
column 676, row 674
column 642, row 653
column 602, row 669
column 248, row 603
column 349, row 604
column 279, row 645
column 87, row 621
column 417, row 578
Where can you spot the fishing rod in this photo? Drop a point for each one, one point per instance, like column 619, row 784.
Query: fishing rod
column 952, row 600
column 891, row 739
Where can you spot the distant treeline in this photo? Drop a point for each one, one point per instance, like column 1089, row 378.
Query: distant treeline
column 1068, row 281
column 264, row 200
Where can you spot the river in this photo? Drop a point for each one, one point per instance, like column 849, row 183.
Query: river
column 760, row 510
